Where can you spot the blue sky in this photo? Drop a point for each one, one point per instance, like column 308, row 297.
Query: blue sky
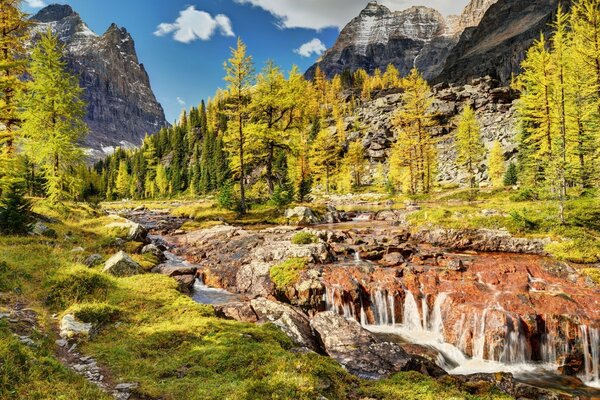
column 184, row 57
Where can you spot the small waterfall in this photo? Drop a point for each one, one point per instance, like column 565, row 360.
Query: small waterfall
column 357, row 258
column 412, row 319
column 590, row 338
column 437, row 319
column 516, row 347
column 383, row 308
column 425, row 310
column 479, row 336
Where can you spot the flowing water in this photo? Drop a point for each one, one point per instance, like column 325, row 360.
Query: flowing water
column 513, row 354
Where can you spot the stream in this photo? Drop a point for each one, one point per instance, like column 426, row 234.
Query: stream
column 420, row 319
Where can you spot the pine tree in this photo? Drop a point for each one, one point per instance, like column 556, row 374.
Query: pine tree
column 414, row 156
column 162, row 181
column 240, row 78
column 53, row 118
column 13, row 63
column 356, row 162
column 469, row 146
column 324, row 156
column 535, row 112
column 15, row 210
column 123, row 180
column 511, row 178
column 13, row 66
column 496, row 165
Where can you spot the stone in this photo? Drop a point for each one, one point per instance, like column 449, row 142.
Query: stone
column 362, row 353
column 292, row 322
column 135, row 231
column 185, row 283
column 93, row 260
column 301, row 216
column 177, row 270
column 122, row 265
column 238, row 311
column 155, row 251
column 392, row 260
column 41, row 229
column 73, row 329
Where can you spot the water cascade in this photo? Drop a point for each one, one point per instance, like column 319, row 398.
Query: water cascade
column 590, row 338
column 417, row 322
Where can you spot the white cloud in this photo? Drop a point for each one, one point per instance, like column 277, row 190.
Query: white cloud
column 181, row 101
column 193, row 25
column 315, row 47
column 35, row 3
column 319, row 14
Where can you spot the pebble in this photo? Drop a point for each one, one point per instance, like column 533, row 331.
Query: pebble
column 61, row 343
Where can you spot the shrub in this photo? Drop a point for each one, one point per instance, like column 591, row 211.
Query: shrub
column 522, row 223
column 304, row 238
column 78, row 285
column 288, row 272
column 95, row 313
column 583, row 250
column 593, row 274
column 525, row 194
column 15, row 211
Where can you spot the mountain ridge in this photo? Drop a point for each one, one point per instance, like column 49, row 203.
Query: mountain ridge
column 121, row 106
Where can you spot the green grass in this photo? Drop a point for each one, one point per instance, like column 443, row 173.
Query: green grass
column 304, row 238
column 578, row 239
column 154, row 335
column 288, row 272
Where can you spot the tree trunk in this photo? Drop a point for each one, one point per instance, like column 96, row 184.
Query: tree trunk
column 242, row 169
column 270, row 177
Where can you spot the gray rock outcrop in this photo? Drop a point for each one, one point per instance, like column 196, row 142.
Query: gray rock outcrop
column 122, row 265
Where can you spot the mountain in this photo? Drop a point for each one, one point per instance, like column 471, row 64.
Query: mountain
column 121, row 105
column 498, row 44
column 418, row 36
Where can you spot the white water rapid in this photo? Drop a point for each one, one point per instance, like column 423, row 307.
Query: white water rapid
column 422, row 326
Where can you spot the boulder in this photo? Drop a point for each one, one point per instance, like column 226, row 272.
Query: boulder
column 254, row 278
column 392, row 260
column 281, row 251
column 362, row 353
column 122, row 265
column 73, row 329
column 333, row 216
column 93, row 260
column 41, row 229
column 177, row 270
column 292, row 322
column 155, row 251
column 301, row 216
column 135, row 231
column 185, row 283
column 239, row 311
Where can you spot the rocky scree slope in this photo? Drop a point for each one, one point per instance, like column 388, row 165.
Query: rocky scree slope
column 121, row 107
column 494, row 106
column 417, row 37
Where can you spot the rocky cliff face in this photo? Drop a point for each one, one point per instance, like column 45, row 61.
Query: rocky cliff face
column 497, row 45
column 417, row 37
column 121, row 105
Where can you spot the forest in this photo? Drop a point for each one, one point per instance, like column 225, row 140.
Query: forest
column 276, row 137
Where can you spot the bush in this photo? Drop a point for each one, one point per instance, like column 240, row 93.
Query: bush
column 77, row 286
column 287, row 273
column 95, row 313
column 593, row 274
column 304, row 238
column 583, row 250
column 15, row 211
column 522, row 223
column 525, row 194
